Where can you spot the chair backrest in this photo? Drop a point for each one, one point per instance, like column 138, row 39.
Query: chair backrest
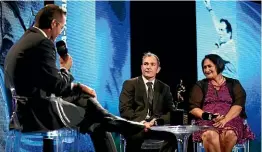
column 4, row 111
column 14, row 121
column 8, row 85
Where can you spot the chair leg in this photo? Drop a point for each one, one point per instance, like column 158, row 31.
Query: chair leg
column 122, row 143
column 199, row 147
column 75, row 136
column 247, row 146
column 48, row 144
column 77, row 139
column 13, row 141
column 67, row 140
column 194, row 147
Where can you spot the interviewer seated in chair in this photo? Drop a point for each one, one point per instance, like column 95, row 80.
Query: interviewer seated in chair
column 219, row 102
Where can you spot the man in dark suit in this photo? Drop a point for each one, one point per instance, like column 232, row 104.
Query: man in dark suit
column 49, row 100
column 148, row 100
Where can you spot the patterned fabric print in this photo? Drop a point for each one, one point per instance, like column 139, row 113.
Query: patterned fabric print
column 219, row 101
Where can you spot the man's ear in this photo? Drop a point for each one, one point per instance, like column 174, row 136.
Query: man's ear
column 53, row 23
column 158, row 69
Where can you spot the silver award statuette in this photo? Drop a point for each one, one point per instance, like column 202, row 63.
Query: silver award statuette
column 180, row 89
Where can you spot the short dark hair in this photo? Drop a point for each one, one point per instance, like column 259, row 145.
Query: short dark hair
column 148, row 54
column 228, row 26
column 46, row 15
column 217, row 60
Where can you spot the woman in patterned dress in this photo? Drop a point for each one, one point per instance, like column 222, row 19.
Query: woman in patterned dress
column 224, row 98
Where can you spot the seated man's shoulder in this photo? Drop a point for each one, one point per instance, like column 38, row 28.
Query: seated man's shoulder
column 161, row 83
column 129, row 82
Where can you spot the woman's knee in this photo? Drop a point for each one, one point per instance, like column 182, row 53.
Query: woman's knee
column 210, row 136
column 230, row 136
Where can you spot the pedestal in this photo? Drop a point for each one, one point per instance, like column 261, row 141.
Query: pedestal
column 178, row 117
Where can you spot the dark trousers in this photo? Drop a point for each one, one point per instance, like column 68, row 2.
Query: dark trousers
column 135, row 142
column 98, row 122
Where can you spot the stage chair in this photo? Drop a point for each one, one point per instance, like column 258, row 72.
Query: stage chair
column 199, row 147
column 66, row 139
column 52, row 141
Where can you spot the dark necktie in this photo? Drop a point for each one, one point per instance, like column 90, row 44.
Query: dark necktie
column 150, row 95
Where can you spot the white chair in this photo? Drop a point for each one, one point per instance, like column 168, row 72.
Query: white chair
column 199, row 147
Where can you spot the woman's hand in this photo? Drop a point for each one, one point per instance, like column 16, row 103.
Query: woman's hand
column 219, row 117
column 221, row 123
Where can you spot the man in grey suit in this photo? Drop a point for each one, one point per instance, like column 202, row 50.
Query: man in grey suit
column 147, row 100
column 52, row 100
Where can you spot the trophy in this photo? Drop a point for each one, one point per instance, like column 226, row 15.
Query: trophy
column 180, row 89
column 179, row 116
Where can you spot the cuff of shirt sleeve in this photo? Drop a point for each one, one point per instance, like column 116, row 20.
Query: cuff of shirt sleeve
column 64, row 69
column 76, row 85
column 142, row 121
column 72, row 85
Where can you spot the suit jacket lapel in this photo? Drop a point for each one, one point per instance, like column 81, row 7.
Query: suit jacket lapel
column 156, row 94
column 142, row 90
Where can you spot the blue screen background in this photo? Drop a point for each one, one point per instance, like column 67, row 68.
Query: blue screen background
column 100, row 46
column 98, row 38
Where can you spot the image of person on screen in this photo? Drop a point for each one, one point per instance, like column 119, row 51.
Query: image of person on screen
column 225, row 46
column 148, row 100
column 16, row 17
column 51, row 100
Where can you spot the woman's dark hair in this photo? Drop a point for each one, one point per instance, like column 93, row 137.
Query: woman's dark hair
column 217, row 60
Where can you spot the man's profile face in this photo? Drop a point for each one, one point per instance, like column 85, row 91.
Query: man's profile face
column 150, row 67
column 224, row 36
column 58, row 27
